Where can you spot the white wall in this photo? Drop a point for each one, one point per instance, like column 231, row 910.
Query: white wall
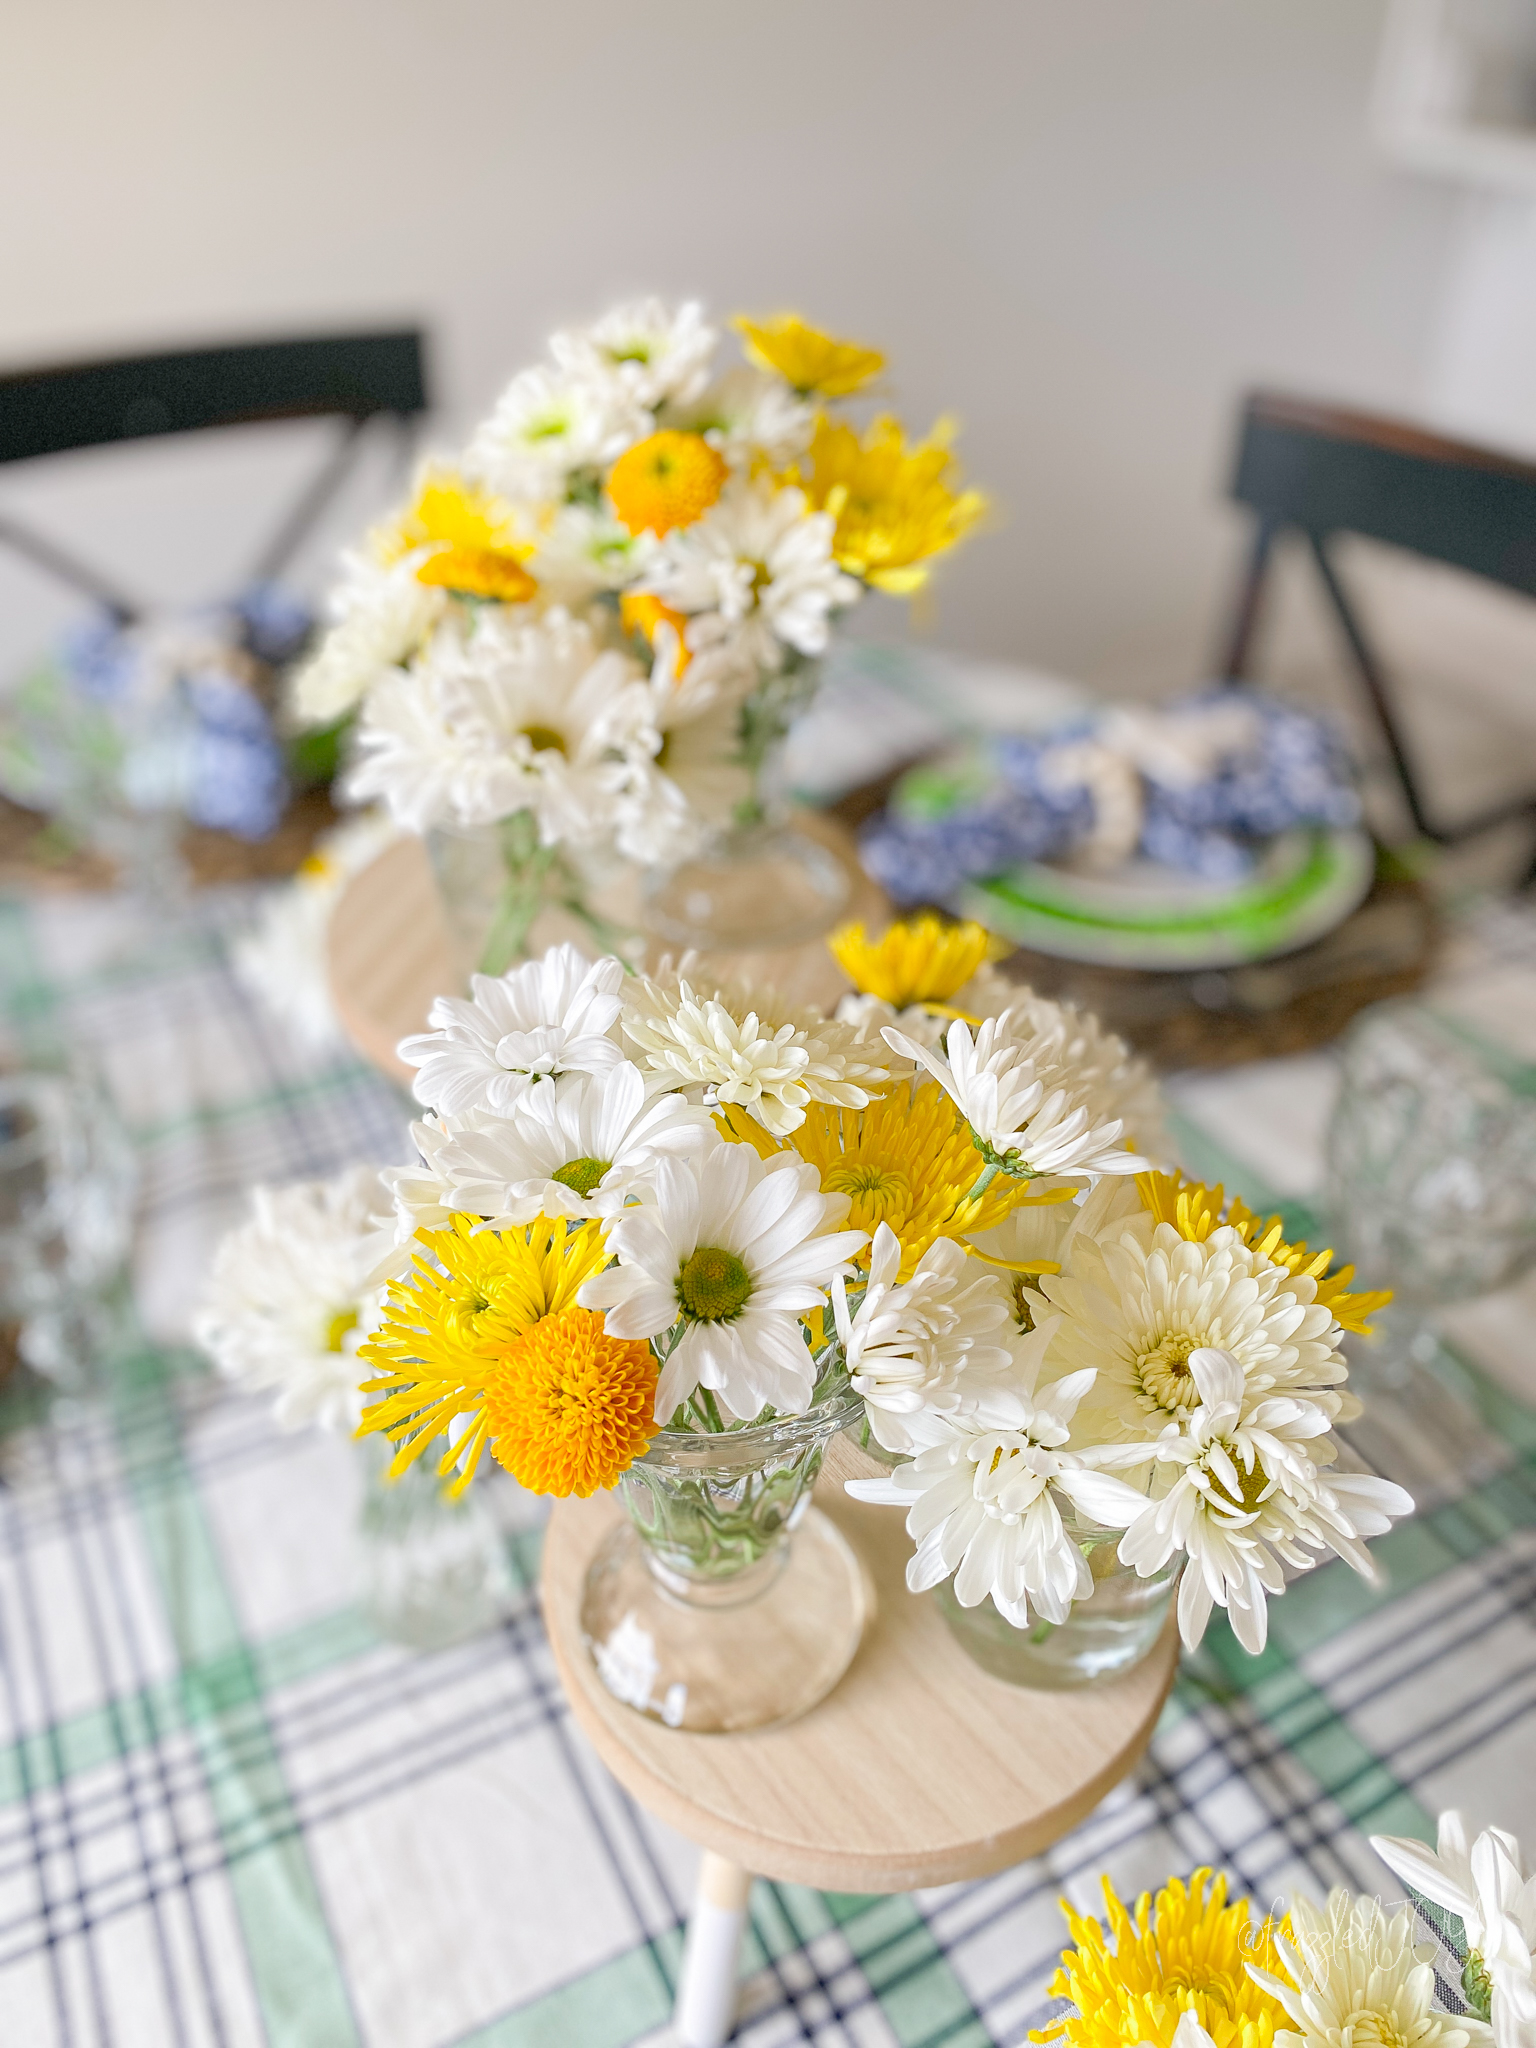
column 1085, row 225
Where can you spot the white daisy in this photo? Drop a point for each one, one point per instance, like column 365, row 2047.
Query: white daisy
column 1240, row 1491
column 747, row 1049
column 512, row 714
column 290, row 1296
column 747, row 414
column 932, row 1342
column 545, row 1018
column 582, row 551
column 1360, row 1980
column 762, row 561
column 1140, row 1300
column 983, row 1498
column 549, row 422
column 1028, row 1111
column 382, row 616
column 282, row 960
column 645, row 349
column 727, row 1252
column 688, row 778
column 1486, row 1887
column 580, row 1147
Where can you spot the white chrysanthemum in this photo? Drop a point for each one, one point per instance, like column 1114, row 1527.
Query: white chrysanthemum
column 514, row 714
column 1140, row 1300
column 1239, row 1491
column 290, row 1296
column 748, row 415
column 581, row 552
column 382, row 617
column 1360, row 1980
column 548, row 1017
column 1027, row 1108
column 645, row 349
column 761, row 560
column 933, row 1342
column 580, row 1147
column 983, row 1498
column 1486, row 1887
column 1117, row 1083
column 283, row 959
column 747, row 1049
column 549, row 422
column 728, row 1251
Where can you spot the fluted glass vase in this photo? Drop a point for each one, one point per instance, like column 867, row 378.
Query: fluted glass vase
column 1102, row 1638
column 496, row 881
column 726, row 1601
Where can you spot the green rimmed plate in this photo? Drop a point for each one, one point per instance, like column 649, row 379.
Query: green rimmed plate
column 1150, row 916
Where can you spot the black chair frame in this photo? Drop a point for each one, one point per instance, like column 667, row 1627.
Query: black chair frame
column 355, row 378
column 1319, row 471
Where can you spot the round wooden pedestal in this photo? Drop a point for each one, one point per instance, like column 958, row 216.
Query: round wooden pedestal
column 390, row 955
column 917, row 1769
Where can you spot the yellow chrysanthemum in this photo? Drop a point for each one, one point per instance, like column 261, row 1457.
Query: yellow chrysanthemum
column 473, row 538
column 669, row 479
column 814, row 363
column 641, row 611
column 1188, row 1952
column 895, row 507
column 451, row 1327
column 907, row 1159
column 919, row 960
column 568, row 1407
column 1195, row 1211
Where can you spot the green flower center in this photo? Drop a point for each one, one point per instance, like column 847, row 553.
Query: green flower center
column 345, row 1319
column 581, row 1176
column 713, row 1285
column 544, row 739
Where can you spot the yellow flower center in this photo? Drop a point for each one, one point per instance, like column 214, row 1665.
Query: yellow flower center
column 1376, row 2030
column 345, row 1319
column 581, row 1176
column 714, row 1285
column 1165, row 1375
column 880, row 1194
column 569, row 1407
column 544, row 739
column 670, row 479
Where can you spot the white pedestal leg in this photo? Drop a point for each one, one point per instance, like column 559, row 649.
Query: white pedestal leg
column 707, row 1989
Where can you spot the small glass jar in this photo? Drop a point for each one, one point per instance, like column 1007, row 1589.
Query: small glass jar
column 434, row 1569
column 726, row 1601
column 1101, row 1639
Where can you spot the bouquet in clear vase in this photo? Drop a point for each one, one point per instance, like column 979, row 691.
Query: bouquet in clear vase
column 580, row 644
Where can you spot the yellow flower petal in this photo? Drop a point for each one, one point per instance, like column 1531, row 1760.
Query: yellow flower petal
column 894, row 507
column 816, row 364
column 917, row 960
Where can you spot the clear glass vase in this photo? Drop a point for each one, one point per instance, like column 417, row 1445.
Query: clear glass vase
column 1101, row 1639
column 759, row 881
column 726, row 1601
column 496, row 881
column 434, row 1569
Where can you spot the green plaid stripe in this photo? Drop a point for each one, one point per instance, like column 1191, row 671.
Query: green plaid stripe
column 229, row 1815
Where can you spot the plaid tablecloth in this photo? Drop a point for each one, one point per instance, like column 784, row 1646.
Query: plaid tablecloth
column 230, row 1815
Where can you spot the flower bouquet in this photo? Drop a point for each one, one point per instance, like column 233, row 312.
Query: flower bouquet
column 582, row 643
column 667, row 1234
column 1191, row 1970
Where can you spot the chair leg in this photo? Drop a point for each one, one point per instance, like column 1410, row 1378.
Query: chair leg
column 707, row 1989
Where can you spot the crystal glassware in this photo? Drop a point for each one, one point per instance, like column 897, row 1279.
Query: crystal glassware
column 1431, row 1191
column 496, row 881
column 1102, row 1638
column 726, row 1601
column 67, row 1183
